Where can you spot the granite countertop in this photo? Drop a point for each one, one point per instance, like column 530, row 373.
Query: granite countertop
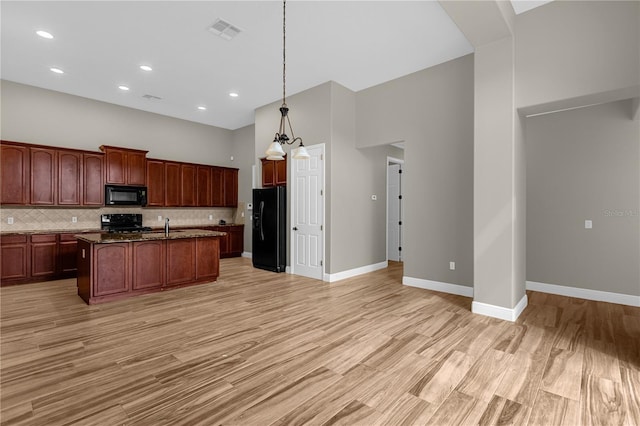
column 97, row 230
column 101, row 238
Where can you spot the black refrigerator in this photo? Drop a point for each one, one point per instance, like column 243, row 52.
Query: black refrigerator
column 269, row 249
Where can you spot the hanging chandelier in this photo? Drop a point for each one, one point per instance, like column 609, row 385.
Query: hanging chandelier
column 275, row 151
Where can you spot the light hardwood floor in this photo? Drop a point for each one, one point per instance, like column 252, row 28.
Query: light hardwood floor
column 259, row 348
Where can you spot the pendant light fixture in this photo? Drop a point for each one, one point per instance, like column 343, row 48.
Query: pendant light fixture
column 275, row 151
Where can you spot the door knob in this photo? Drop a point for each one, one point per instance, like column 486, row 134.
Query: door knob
column 295, row 228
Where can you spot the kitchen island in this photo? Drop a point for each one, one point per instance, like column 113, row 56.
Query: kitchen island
column 117, row 266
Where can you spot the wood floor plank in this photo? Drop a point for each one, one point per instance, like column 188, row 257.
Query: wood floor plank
column 261, row 348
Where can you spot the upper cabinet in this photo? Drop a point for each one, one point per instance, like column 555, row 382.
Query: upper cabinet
column 93, row 179
column 14, row 172
column 155, row 183
column 231, row 187
column 43, row 176
column 125, row 166
column 70, row 178
column 204, row 194
column 274, row 173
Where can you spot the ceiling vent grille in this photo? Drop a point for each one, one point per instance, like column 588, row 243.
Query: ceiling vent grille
column 224, row 29
column 152, row 97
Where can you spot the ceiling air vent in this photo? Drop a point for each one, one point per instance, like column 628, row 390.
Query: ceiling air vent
column 224, row 29
column 152, row 98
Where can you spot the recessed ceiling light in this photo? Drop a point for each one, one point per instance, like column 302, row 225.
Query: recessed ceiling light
column 233, row 94
column 123, row 88
column 56, row 70
column 146, row 68
column 44, row 34
column 202, row 108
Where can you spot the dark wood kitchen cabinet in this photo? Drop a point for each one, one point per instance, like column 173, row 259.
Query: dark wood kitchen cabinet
column 14, row 172
column 70, row 178
column 67, row 262
column 232, row 244
column 204, row 194
column 172, row 182
column 125, row 166
column 93, row 179
column 44, row 254
column 148, row 266
column 230, row 187
column 181, row 261
column 189, row 184
column 274, row 173
column 111, row 270
column 207, row 259
column 43, row 176
column 15, row 258
column 155, row 183
column 217, row 187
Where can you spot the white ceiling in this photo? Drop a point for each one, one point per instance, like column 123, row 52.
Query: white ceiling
column 101, row 45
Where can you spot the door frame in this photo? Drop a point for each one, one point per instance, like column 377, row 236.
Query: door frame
column 324, row 209
column 395, row 161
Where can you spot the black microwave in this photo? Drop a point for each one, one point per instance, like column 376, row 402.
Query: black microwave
column 116, row 195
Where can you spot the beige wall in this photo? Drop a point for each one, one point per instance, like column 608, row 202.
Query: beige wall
column 33, row 115
column 432, row 112
column 584, row 165
column 243, row 152
column 569, row 49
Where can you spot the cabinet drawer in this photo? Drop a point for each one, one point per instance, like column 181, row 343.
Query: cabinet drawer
column 44, row 238
column 13, row 239
column 68, row 237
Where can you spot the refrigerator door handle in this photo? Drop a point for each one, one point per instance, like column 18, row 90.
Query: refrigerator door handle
column 261, row 221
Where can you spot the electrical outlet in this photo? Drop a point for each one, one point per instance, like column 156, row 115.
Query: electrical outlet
column 159, row 218
column 74, row 219
column 10, row 220
column 210, row 217
column 452, row 266
column 588, row 224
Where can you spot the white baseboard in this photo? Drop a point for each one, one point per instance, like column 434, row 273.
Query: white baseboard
column 354, row 272
column 247, row 254
column 460, row 290
column 583, row 293
column 500, row 312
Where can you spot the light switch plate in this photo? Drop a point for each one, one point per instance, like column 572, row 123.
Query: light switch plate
column 588, row 224
column 159, row 218
column 10, row 220
column 452, row 266
column 74, row 219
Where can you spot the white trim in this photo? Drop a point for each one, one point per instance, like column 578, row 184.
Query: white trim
column 386, row 241
column 247, row 254
column 460, row 290
column 584, row 293
column 499, row 311
column 354, row 272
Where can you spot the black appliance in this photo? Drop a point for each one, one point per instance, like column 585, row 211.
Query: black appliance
column 122, row 222
column 116, row 195
column 269, row 248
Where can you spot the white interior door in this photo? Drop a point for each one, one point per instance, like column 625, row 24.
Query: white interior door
column 307, row 203
column 394, row 212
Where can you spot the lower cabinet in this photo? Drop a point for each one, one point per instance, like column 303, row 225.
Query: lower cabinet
column 231, row 245
column 67, row 253
column 15, row 258
column 119, row 270
column 181, row 261
column 44, row 254
column 148, row 264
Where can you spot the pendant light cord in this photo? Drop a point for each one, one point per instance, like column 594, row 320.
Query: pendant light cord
column 284, row 52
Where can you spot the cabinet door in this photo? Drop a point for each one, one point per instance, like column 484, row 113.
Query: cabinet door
column 172, row 184
column 204, row 186
column 188, row 188
column 67, row 255
column 223, row 241
column 115, row 164
column 14, row 169
column 230, row 187
column 280, row 172
column 181, row 261
column 217, row 187
column 136, row 168
column 43, row 255
column 207, row 258
column 155, row 183
column 93, row 182
column 236, row 240
column 69, row 178
column 148, row 264
column 15, row 257
column 111, row 269
column 268, row 173
column 43, row 176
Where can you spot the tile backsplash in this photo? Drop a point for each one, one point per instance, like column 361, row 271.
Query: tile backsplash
column 42, row 219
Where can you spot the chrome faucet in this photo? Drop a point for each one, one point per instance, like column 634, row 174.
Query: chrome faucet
column 166, row 226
